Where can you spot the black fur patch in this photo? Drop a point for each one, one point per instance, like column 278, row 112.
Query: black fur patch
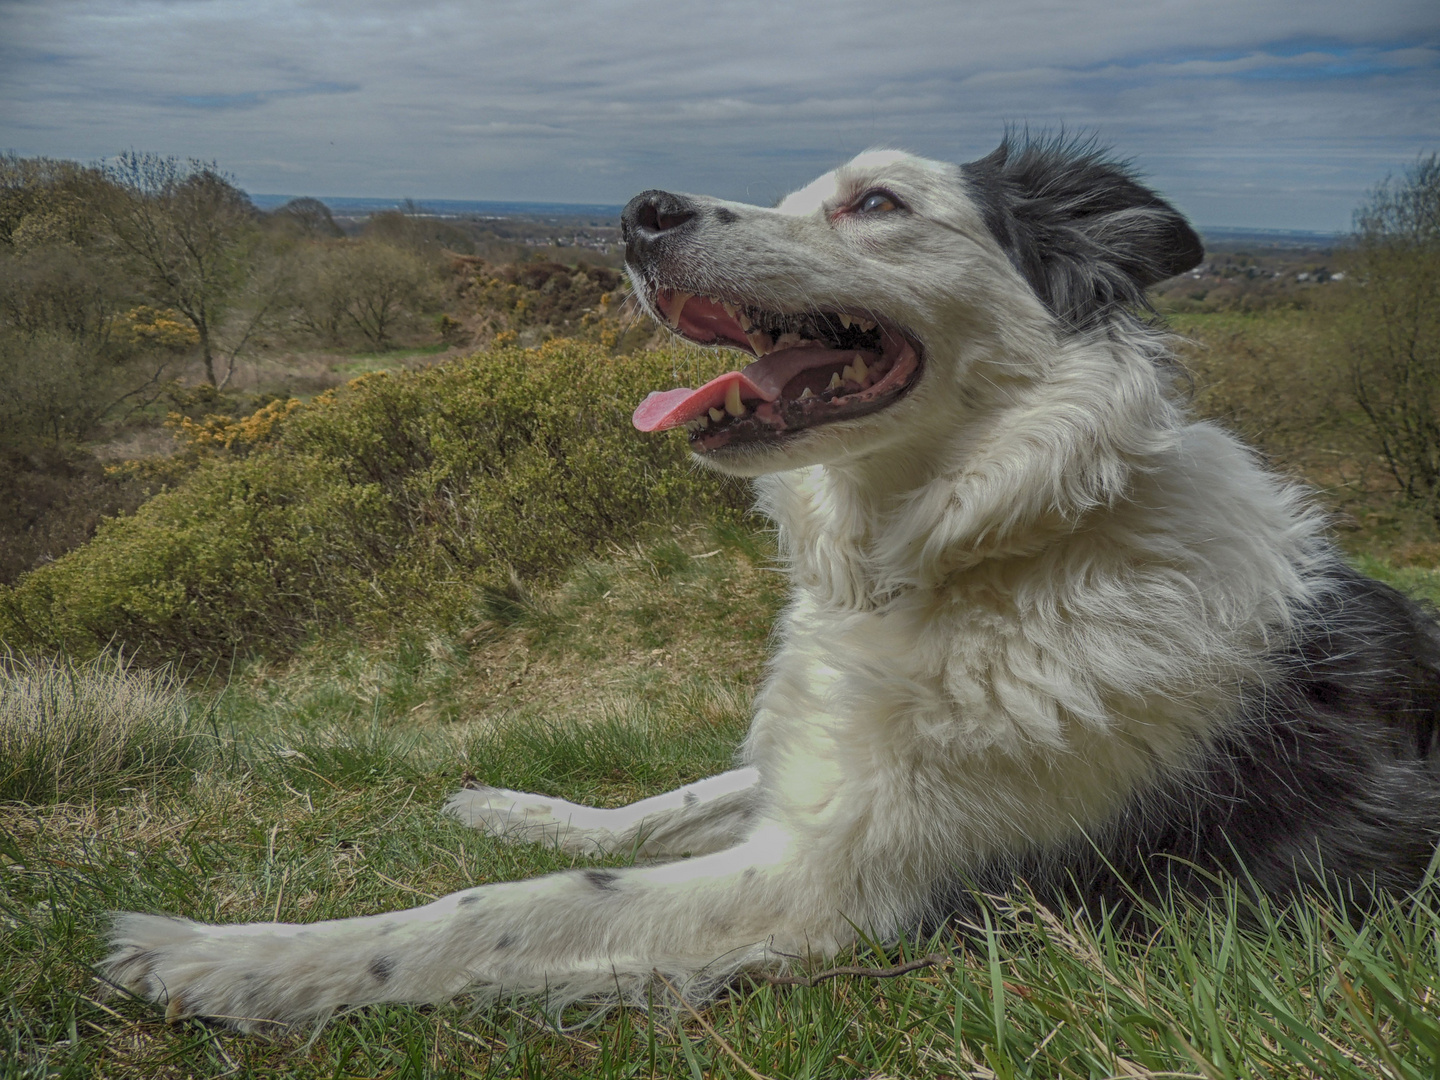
column 381, row 968
column 466, row 901
column 1329, row 780
column 726, row 216
column 1082, row 231
column 505, row 942
column 603, row 880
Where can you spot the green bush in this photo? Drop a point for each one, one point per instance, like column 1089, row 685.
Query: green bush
column 396, row 499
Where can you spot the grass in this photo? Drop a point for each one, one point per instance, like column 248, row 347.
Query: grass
column 319, row 800
column 71, row 730
column 364, row 363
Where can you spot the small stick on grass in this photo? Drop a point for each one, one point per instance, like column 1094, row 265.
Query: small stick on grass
column 932, row 960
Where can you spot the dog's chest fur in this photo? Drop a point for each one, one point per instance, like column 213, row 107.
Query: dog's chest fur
column 1029, row 696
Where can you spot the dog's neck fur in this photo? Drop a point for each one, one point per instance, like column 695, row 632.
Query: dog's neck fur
column 1018, row 475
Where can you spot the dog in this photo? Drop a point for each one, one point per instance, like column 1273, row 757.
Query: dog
column 1044, row 626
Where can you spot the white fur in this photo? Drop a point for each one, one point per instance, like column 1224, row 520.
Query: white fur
column 1020, row 592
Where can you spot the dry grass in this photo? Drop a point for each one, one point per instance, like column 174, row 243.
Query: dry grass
column 72, row 730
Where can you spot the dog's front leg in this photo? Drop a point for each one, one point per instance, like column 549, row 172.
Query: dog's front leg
column 572, row 935
column 708, row 815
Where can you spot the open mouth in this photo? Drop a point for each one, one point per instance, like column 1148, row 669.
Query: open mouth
column 811, row 368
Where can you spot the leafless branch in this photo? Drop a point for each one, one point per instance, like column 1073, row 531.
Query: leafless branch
column 859, row 972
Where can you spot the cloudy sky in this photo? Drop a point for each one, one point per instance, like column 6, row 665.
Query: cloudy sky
column 1258, row 113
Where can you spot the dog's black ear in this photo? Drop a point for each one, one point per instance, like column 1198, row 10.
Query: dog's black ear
column 1086, row 235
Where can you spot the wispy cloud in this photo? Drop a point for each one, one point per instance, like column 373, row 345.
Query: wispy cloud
column 250, row 99
column 1248, row 112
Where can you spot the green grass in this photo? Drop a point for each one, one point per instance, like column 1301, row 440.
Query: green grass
column 317, row 797
column 365, row 363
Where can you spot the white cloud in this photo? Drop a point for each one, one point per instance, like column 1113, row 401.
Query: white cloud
column 1245, row 111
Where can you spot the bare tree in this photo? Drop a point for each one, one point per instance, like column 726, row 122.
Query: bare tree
column 367, row 285
column 1395, row 333
column 189, row 232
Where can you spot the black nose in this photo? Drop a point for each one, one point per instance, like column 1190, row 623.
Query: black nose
column 650, row 216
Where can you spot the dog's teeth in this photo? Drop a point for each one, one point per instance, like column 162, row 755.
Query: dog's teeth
column 730, row 309
column 674, row 306
column 733, row 404
column 845, row 321
column 860, row 369
column 806, row 393
column 760, row 342
column 745, row 323
column 787, row 340
column 716, row 415
column 865, row 325
column 835, row 381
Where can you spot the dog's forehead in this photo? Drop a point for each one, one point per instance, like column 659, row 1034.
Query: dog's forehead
column 870, row 168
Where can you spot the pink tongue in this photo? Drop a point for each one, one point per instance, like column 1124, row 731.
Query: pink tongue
column 762, row 380
column 665, row 409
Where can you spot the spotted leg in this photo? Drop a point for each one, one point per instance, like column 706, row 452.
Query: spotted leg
column 577, row 934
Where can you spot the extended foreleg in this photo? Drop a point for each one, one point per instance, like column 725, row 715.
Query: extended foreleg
column 572, row 935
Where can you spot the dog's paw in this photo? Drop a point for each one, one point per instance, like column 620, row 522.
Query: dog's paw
column 189, row 968
column 522, row 817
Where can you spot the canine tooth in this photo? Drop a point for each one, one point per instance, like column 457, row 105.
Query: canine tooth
column 806, row 393
column 745, row 323
column 730, row 309
column 835, row 382
column 760, row 342
column 675, row 306
column 716, row 415
column 845, row 321
column 733, row 405
column 860, row 369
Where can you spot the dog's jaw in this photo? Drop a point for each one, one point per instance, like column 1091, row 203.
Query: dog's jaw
column 811, row 369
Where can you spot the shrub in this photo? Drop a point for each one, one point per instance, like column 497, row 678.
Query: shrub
column 69, row 729
column 1395, row 340
column 399, row 498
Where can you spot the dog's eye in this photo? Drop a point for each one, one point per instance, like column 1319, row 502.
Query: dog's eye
column 878, row 202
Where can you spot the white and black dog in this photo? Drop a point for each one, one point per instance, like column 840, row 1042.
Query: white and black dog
column 1044, row 626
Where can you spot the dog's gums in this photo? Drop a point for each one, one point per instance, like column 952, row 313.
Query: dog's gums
column 810, row 368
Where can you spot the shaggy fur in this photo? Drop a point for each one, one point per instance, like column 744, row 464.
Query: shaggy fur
column 1042, row 624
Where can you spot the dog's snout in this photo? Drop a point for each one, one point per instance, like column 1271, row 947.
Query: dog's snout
column 650, row 216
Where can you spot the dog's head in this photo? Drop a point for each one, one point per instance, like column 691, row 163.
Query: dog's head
column 865, row 296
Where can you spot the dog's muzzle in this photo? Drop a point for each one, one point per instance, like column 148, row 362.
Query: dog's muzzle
column 652, row 218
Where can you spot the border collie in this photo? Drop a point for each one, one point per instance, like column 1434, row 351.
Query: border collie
column 1044, row 625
